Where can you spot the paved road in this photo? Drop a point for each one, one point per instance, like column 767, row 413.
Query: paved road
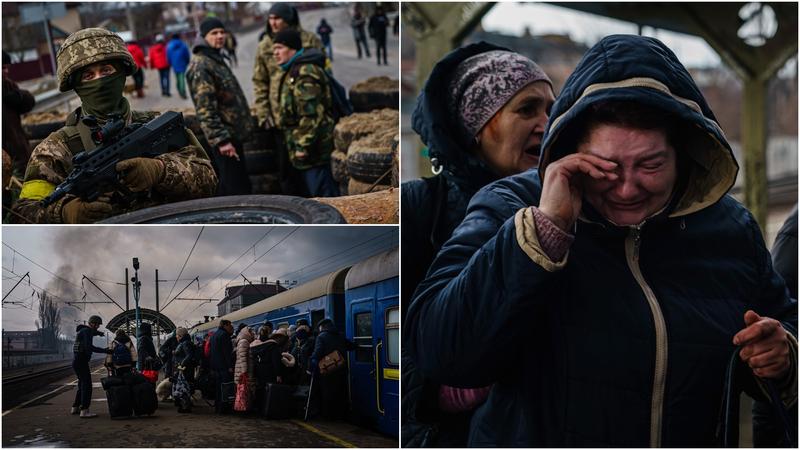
column 347, row 68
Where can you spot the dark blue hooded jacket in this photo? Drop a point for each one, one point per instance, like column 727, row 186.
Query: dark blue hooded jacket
column 626, row 339
column 432, row 209
column 83, row 346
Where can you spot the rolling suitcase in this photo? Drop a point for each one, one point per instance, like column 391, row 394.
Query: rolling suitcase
column 278, row 401
column 118, row 395
column 145, row 401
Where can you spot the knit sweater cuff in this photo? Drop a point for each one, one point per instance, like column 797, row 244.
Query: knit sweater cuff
column 554, row 241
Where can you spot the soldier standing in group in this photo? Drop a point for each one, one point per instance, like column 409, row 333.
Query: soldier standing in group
column 306, row 114
column 95, row 62
column 267, row 75
column 221, row 107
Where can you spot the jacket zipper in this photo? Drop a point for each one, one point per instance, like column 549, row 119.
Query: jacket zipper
column 632, row 244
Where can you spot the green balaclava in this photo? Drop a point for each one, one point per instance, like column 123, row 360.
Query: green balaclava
column 103, row 97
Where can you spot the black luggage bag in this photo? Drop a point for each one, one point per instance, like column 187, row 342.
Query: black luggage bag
column 118, row 394
column 278, row 401
column 145, row 400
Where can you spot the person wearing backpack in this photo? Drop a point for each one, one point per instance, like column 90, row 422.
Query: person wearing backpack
column 123, row 354
column 306, row 114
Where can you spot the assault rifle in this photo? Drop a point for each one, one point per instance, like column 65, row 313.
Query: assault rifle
column 95, row 172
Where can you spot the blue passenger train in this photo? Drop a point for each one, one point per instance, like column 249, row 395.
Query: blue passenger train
column 363, row 301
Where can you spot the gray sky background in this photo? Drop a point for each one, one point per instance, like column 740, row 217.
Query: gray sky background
column 513, row 17
column 102, row 253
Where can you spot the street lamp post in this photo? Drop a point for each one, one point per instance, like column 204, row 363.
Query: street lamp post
column 137, row 285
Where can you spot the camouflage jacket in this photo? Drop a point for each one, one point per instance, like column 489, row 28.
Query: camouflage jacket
column 267, row 72
column 306, row 110
column 188, row 175
column 221, row 106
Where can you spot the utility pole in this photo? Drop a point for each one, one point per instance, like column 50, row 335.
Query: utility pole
column 137, row 285
column 49, row 36
column 131, row 21
column 158, row 312
column 127, row 303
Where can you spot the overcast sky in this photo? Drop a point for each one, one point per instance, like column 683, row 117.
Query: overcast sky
column 103, row 253
column 512, row 18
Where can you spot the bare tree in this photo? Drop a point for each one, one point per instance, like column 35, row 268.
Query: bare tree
column 49, row 323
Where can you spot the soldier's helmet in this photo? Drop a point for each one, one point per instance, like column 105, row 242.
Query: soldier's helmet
column 88, row 46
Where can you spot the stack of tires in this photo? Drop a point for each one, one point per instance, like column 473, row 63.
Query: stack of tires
column 375, row 93
column 365, row 151
column 262, row 163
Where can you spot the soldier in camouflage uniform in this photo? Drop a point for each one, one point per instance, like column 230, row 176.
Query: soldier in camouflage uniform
column 306, row 113
column 267, row 73
column 221, row 107
column 94, row 62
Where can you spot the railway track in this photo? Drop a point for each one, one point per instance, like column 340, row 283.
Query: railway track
column 14, row 379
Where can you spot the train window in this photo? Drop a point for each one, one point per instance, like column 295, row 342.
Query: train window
column 362, row 336
column 283, row 325
column 393, row 336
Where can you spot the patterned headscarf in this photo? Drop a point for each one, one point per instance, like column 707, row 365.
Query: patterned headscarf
column 484, row 83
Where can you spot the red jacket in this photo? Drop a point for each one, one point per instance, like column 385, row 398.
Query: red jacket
column 158, row 56
column 138, row 55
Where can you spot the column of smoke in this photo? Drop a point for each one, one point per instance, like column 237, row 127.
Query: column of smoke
column 63, row 292
column 93, row 261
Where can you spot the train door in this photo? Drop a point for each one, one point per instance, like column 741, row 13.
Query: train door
column 363, row 376
column 387, row 361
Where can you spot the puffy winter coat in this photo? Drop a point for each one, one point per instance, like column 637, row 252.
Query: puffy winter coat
column 178, row 55
column 628, row 336
column 138, row 55
column 242, row 366
column 266, row 359
column 158, row 56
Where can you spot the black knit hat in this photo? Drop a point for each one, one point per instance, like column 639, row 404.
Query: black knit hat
column 285, row 12
column 289, row 38
column 210, row 24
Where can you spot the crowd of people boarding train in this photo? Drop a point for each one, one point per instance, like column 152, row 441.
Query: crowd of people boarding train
column 260, row 370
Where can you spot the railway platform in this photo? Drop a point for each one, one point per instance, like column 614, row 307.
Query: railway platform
column 44, row 421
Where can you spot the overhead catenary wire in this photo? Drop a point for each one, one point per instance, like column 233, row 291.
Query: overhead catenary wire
column 39, row 265
column 186, row 261
column 337, row 254
column 200, row 288
column 248, row 266
column 368, row 251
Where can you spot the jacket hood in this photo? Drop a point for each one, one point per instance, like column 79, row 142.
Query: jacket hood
column 200, row 45
column 311, row 56
column 80, row 327
column 122, row 339
column 246, row 334
column 434, row 123
column 644, row 70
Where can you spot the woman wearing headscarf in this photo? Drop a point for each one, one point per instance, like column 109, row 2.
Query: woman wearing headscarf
column 482, row 115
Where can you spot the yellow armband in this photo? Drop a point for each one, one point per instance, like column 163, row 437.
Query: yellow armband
column 36, row 189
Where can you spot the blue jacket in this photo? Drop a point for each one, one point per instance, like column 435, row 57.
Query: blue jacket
column 222, row 357
column 178, row 55
column 591, row 325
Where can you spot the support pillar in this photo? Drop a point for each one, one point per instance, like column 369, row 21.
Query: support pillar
column 754, row 148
